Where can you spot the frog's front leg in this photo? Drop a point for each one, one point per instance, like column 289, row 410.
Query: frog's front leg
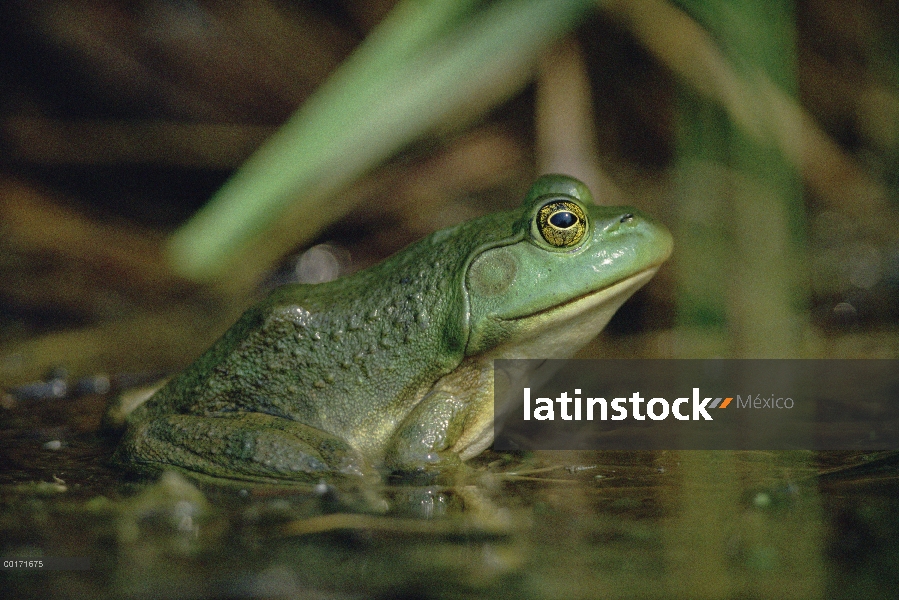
column 238, row 445
column 453, row 422
column 422, row 443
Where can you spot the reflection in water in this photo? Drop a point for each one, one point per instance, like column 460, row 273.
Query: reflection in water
column 542, row 525
column 745, row 525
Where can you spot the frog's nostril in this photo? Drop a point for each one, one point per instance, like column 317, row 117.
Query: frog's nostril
column 627, row 218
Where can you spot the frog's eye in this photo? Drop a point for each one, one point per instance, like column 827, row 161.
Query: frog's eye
column 562, row 223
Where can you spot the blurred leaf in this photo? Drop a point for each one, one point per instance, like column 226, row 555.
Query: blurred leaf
column 739, row 194
column 421, row 66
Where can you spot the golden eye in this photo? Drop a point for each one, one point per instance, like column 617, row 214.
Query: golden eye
column 562, row 223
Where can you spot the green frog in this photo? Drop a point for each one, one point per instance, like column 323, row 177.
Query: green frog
column 390, row 369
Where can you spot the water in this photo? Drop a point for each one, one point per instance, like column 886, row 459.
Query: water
column 542, row 525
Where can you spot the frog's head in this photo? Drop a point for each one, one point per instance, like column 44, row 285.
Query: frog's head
column 549, row 288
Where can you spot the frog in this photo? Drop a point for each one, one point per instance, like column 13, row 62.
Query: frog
column 390, row 369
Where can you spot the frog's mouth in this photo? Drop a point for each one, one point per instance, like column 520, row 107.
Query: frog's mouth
column 615, row 294
column 560, row 330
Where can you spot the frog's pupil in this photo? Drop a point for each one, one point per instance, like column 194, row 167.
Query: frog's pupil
column 563, row 219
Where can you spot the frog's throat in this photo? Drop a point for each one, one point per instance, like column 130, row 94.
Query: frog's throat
column 559, row 331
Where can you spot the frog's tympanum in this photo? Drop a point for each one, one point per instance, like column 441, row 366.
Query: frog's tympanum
column 390, row 369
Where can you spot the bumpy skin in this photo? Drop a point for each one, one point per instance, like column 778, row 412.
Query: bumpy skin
column 383, row 367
